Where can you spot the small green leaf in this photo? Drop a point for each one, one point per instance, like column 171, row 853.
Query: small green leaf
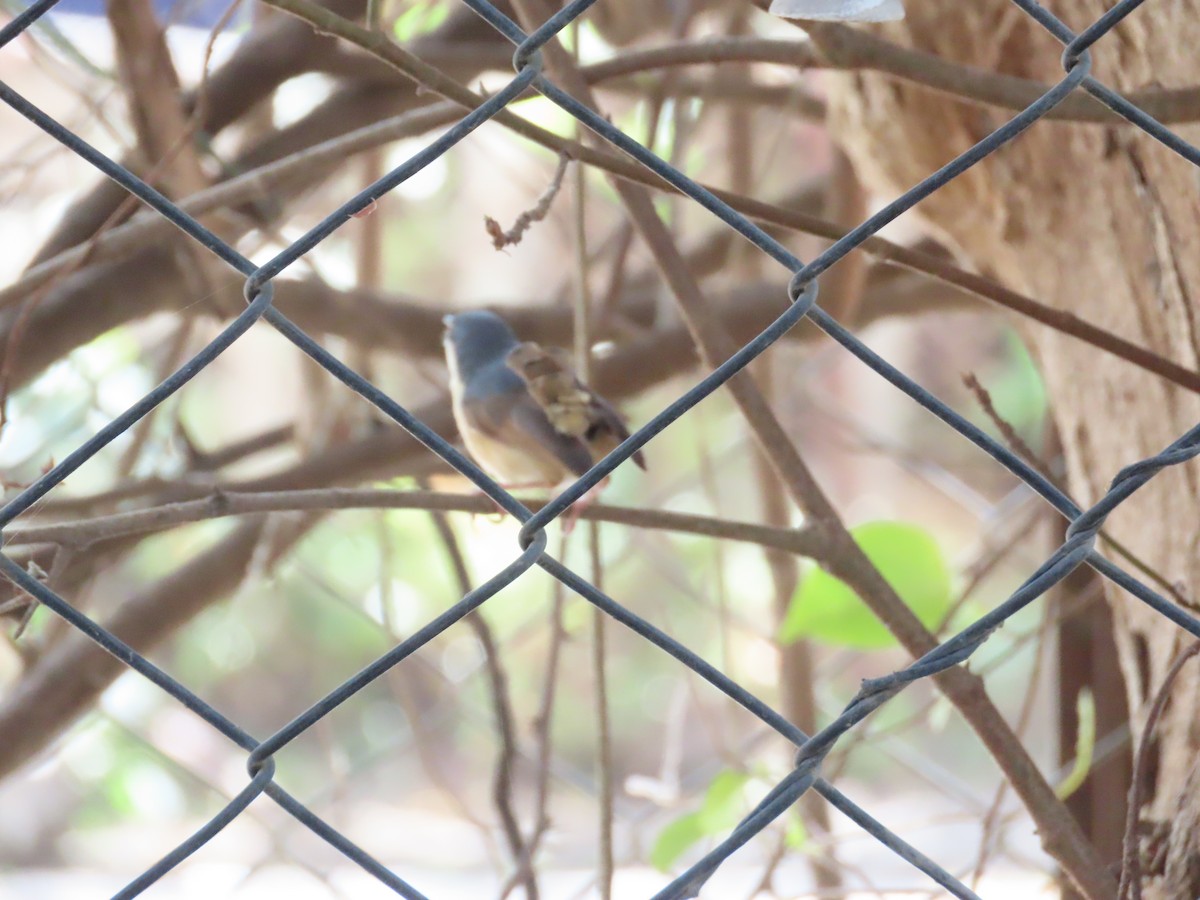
column 420, row 19
column 825, row 609
column 723, row 801
column 1085, row 745
column 796, row 835
column 675, row 839
column 721, row 809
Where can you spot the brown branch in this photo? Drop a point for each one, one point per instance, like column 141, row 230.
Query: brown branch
column 152, row 91
column 844, row 48
column 384, row 320
column 796, row 684
column 1006, row 429
column 803, row 541
column 255, row 186
column 584, row 340
column 848, row 47
column 738, row 92
column 68, row 679
column 845, row 205
column 992, row 818
column 164, row 137
column 252, row 186
column 212, row 460
column 414, row 329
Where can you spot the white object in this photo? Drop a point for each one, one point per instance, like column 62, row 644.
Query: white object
column 839, row 10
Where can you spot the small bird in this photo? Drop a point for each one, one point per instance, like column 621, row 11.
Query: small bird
column 523, row 414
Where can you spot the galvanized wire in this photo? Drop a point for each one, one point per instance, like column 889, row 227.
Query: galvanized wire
column 801, row 297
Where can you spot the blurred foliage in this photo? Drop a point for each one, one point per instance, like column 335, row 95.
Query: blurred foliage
column 421, row 18
column 1017, row 391
column 723, row 807
column 825, row 608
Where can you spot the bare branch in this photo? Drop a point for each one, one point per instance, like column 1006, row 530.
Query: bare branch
column 84, row 532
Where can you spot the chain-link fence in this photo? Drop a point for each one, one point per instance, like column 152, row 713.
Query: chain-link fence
column 531, row 51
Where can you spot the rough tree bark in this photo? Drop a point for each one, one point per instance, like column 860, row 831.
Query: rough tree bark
column 1102, row 221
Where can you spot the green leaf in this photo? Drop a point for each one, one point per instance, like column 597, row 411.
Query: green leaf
column 1085, row 745
column 420, row 19
column 826, row 609
column 720, row 810
column 723, row 801
column 675, row 839
column 796, row 834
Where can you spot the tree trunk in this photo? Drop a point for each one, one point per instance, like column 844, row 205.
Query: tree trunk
column 1102, row 221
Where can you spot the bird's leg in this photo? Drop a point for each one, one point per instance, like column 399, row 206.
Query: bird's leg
column 576, row 509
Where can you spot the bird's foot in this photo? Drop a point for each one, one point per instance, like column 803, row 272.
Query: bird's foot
column 576, row 509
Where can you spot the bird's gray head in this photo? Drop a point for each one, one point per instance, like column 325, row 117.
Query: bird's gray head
column 477, row 339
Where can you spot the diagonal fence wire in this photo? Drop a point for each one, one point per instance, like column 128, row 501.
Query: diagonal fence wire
column 802, row 303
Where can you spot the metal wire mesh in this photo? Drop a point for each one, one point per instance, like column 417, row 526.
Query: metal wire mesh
column 802, row 296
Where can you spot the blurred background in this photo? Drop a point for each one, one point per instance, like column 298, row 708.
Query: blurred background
column 416, row 768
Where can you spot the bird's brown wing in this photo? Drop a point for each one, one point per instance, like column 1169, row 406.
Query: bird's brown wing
column 570, row 406
column 607, row 430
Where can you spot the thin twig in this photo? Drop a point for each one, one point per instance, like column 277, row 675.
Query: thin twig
column 168, row 360
column 796, row 681
column 543, row 734
column 61, row 559
column 1023, row 450
column 1143, row 782
column 583, row 360
column 604, row 754
column 502, row 780
column 539, row 211
column 1033, row 679
column 1006, row 429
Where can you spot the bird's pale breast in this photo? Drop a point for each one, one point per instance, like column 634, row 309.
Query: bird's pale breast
column 511, row 465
